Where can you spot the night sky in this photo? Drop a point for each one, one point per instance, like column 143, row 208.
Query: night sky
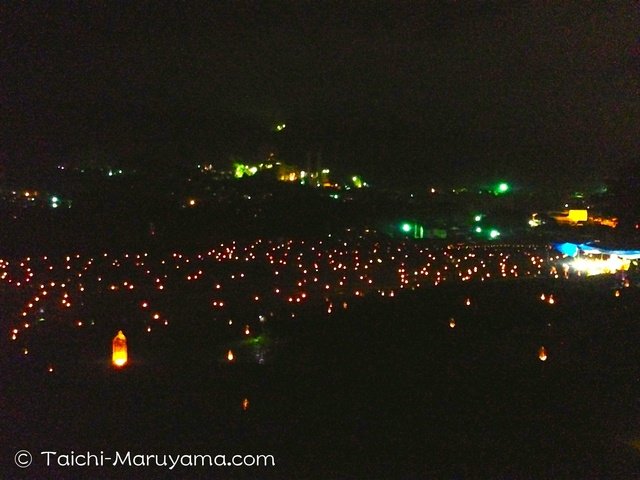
column 402, row 92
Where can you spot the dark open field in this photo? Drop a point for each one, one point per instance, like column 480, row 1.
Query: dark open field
column 383, row 389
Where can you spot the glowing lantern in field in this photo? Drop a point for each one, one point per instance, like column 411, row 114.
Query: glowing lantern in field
column 452, row 322
column 230, row 356
column 119, row 356
column 542, row 354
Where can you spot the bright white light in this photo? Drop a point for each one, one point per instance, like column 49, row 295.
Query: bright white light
column 593, row 266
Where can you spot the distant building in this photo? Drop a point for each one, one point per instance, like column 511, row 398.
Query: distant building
column 571, row 217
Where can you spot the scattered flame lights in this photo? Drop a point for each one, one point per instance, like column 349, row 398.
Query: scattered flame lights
column 542, row 354
column 548, row 298
column 265, row 275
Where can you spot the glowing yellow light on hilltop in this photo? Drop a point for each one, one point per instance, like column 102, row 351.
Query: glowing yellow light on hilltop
column 542, row 354
column 119, row 356
column 246, row 330
column 192, row 202
column 452, row 322
column 617, row 293
column 230, row 356
column 577, row 216
column 572, row 217
column 245, row 404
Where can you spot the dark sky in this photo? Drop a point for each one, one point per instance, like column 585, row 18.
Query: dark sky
column 405, row 91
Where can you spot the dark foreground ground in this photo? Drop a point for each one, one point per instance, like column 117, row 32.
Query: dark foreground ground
column 382, row 389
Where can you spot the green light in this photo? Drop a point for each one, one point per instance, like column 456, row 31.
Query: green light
column 494, row 233
column 357, row 181
column 258, row 340
column 503, row 187
column 280, row 127
column 477, row 218
column 240, row 170
column 478, row 229
column 406, row 227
